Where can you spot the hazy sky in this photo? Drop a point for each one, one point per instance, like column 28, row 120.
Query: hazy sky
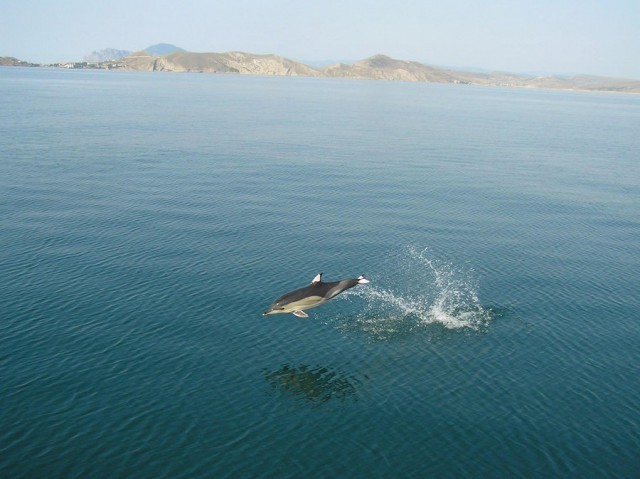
column 562, row 36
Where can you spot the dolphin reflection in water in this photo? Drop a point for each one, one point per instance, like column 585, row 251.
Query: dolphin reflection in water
column 315, row 385
column 312, row 296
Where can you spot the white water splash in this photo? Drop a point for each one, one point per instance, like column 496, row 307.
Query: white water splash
column 424, row 291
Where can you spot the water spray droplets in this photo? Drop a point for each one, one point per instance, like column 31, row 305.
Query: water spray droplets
column 423, row 291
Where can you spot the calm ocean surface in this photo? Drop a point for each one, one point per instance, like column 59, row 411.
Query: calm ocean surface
column 146, row 220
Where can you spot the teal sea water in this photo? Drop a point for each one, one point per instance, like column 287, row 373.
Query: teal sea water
column 146, row 220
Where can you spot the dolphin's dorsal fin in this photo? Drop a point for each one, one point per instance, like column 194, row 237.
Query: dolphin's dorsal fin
column 300, row 314
column 317, row 279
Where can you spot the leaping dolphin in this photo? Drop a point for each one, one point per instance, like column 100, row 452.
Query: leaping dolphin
column 312, row 296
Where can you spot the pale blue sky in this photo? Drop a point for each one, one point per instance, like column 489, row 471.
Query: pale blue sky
column 562, row 36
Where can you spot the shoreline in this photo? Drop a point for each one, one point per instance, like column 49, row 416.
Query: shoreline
column 77, row 66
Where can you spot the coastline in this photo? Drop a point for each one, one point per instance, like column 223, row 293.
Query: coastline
column 378, row 68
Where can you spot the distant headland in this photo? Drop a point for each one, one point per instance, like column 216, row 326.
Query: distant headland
column 169, row 58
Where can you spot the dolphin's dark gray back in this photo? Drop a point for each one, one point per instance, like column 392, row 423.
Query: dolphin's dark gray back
column 312, row 296
column 321, row 289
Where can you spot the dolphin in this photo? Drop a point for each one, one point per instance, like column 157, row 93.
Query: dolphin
column 312, row 296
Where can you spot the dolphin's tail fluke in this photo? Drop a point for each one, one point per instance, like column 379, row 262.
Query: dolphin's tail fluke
column 362, row 280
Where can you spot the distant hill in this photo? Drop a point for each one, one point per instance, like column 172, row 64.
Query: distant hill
column 382, row 67
column 108, row 54
column 166, row 57
column 377, row 67
column 230, row 62
column 14, row 62
column 162, row 49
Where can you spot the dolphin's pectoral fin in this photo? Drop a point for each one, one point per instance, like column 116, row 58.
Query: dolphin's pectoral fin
column 300, row 314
